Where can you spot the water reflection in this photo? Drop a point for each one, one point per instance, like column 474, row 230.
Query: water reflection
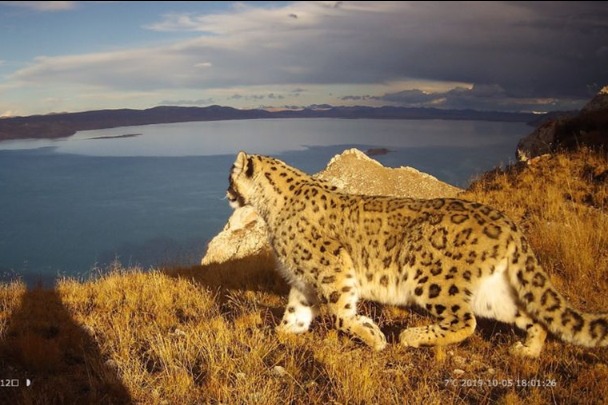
column 275, row 136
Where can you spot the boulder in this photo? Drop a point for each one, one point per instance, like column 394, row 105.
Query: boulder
column 352, row 172
column 244, row 235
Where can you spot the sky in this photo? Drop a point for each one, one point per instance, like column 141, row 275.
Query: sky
column 68, row 56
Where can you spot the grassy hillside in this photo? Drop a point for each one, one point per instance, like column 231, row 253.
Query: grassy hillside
column 205, row 334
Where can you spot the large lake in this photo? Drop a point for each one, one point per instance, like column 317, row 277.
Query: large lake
column 153, row 195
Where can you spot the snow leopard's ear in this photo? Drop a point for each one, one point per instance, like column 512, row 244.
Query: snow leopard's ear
column 243, row 163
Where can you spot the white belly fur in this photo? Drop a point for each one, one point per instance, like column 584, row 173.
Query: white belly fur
column 389, row 295
column 494, row 297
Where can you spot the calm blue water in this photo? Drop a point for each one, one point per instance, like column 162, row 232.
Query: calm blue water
column 155, row 196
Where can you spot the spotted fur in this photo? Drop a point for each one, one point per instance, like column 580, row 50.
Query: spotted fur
column 457, row 259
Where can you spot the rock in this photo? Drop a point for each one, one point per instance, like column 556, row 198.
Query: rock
column 597, row 103
column 352, row 172
column 111, row 365
column 376, row 151
column 279, row 371
column 587, row 128
column 178, row 333
column 460, row 361
column 89, row 330
column 244, row 235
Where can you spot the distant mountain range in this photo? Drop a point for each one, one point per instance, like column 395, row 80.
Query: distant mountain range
column 66, row 124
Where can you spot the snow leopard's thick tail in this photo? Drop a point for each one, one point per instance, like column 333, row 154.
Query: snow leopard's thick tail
column 548, row 307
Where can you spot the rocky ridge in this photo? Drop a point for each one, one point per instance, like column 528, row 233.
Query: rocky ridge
column 587, row 128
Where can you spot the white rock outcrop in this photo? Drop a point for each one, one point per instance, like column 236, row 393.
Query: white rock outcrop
column 244, row 235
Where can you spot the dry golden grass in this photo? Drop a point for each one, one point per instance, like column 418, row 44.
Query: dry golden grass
column 206, row 334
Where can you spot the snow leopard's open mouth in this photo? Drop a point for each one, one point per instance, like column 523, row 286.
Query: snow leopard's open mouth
column 234, row 198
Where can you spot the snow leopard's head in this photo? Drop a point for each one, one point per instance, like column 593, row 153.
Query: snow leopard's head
column 240, row 181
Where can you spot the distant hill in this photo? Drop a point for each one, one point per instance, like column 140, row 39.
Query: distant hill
column 66, row 124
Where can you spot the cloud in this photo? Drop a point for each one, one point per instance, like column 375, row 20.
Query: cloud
column 242, row 18
column 42, row 5
column 413, row 97
column 602, row 52
column 512, row 50
column 257, row 97
column 198, row 102
column 365, row 97
column 7, row 113
column 319, row 106
column 478, row 97
column 203, row 65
